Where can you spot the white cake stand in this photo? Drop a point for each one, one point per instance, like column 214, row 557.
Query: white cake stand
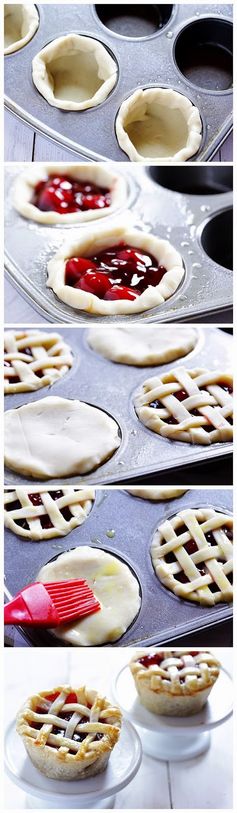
column 96, row 792
column 174, row 738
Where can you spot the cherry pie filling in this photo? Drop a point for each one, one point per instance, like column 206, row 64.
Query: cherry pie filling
column 191, row 547
column 156, row 659
column 119, row 272
column 15, row 378
column 45, row 520
column 64, row 195
column 181, row 395
column 78, row 736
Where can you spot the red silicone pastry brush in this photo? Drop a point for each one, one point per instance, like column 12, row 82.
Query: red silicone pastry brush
column 52, row 604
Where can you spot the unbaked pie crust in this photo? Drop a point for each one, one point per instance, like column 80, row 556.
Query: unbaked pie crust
column 58, row 437
column 91, row 733
column 174, row 419
column 93, row 173
column 51, row 357
column 158, row 125
column 177, row 686
column 20, row 24
column 91, row 241
column 74, row 72
column 143, row 346
column 77, row 501
column 113, row 584
column 156, row 493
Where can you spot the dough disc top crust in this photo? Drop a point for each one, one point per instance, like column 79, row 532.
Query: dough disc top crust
column 144, row 346
column 20, row 24
column 74, row 72
column 57, row 437
column 114, row 586
column 156, row 493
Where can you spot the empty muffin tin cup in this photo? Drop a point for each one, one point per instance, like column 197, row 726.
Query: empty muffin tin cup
column 216, row 237
column 201, row 180
column 20, row 24
column 134, row 22
column 203, row 52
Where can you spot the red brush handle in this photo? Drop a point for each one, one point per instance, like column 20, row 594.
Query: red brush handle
column 36, row 608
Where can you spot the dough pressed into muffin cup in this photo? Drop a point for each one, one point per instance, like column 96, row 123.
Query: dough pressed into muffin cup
column 20, row 24
column 89, row 243
column 74, row 72
column 158, row 125
column 93, row 173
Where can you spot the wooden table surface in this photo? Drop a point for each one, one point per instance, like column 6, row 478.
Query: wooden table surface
column 204, row 782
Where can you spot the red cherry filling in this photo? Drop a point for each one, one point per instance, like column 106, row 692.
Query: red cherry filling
column 65, row 195
column 45, row 520
column 151, row 660
column 126, row 271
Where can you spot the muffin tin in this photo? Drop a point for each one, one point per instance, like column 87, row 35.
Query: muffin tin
column 163, row 616
column 111, row 387
column 150, row 46
column 189, row 206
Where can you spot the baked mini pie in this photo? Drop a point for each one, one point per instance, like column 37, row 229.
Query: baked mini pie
column 37, row 513
column 74, row 72
column 194, row 406
column 58, row 437
column 114, row 586
column 21, row 21
column 68, row 193
column 33, row 359
column 174, row 682
column 69, row 733
column 143, row 346
column 156, row 493
column 192, row 555
column 115, row 270
column 158, row 125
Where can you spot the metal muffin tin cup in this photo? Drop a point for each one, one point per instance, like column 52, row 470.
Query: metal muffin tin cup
column 163, row 616
column 111, row 387
column 173, row 215
column 142, row 61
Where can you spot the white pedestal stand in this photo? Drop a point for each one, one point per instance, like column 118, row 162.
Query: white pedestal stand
column 174, row 739
column 98, row 792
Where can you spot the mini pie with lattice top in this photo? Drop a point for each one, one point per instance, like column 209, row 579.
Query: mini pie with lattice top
column 192, row 555
column 174, row 682
column 33, row 359
column 38, row 513
column 194, row 406
column 69, row 733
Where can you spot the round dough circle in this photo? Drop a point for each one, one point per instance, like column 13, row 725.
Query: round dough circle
column 158, row 125
column 91, row 241
column 93, row 173
column 20, row 24
column 143, row 346
column 78, row 500
column 156, row 493
column 113, row 584
column 57, row 437
column 74, row 72
column 50, row 355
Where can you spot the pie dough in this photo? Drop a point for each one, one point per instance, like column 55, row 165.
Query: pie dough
column 85, row 246
column 93, row 173
column 47, row 359
column 174, row 682
column 44, row 514
column 20, row 24
column 156, row 492
column 112, row 583
column 74, row 72
column 143, row 346
column 173, row 417
column 158, row 125
column 192, row 555
column 69, row 733
column 57, row 437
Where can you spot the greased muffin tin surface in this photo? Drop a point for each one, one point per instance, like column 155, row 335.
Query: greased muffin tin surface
column 182, row 218
column 147, row 61
column 162, row 616
column 111, row 387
